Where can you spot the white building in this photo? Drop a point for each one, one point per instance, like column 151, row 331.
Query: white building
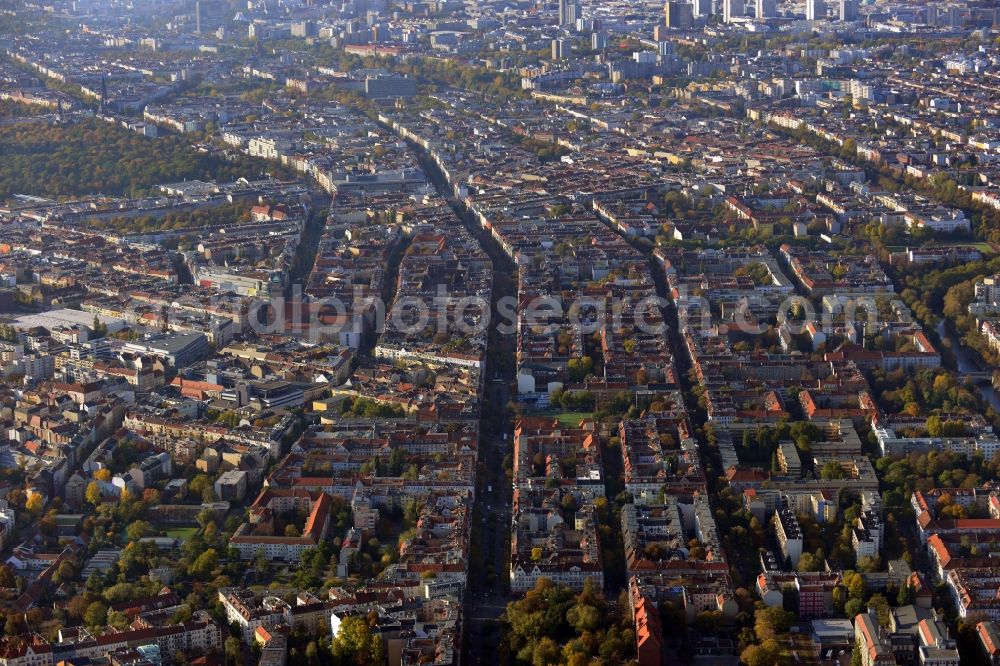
column 789, row 534
column 815, row 10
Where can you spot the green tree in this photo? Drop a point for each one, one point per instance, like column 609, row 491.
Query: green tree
column 117, row 619
column 809, row 562
column 355, row 644
column 855, row 584
column 198, row 486
column 100, row 330
column 138, row 530
column 88, row 156
column 832, row 471
column 839, row 599
column 880, row 605
column 579, row 368
column 205, row 564
column 853, row 608
column 312, row 654
column 771, row 621
column 545, row 652
column 234, row 651
column 96, row 615
column 907, row 595
column 584, row 618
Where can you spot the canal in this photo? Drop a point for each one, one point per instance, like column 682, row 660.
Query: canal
column 967, row 361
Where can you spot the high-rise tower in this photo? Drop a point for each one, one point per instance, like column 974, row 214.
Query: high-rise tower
column 733, row 9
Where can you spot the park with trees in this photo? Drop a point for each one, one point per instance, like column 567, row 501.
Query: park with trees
column 90, row 157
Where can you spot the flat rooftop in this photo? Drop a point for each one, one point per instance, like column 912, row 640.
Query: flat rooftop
column 65, row 317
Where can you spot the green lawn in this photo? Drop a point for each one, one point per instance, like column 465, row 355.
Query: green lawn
column 569, row 419
column 182, row 533
column 985, row 248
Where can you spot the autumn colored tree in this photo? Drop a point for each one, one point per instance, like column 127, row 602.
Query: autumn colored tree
column 34, row 504
column 93, row 493
column 355, row 644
